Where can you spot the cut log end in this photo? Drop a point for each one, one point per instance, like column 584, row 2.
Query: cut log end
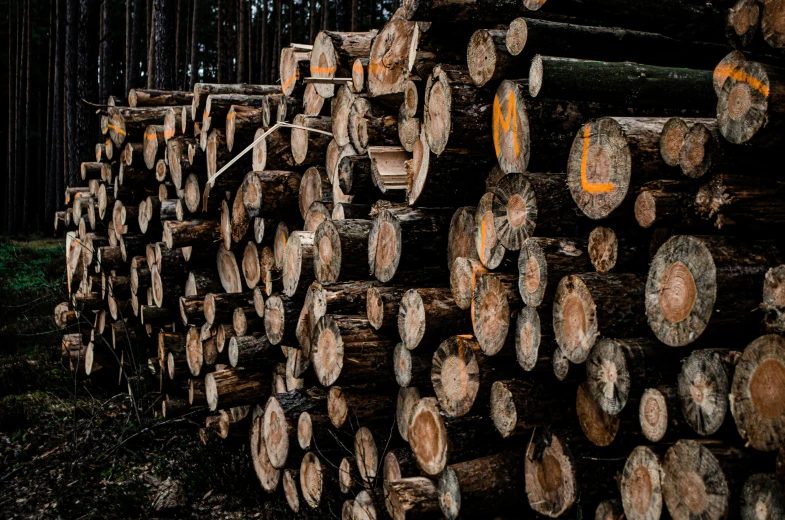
column 305, row 431
column 366, row 454
column 510, row 126
column 608, row 378
column 490, row 313
column 290, row 492
column 275, row 431
column 463, row 277
column 532, row 273
column 503, row 411
column 645, row 209
column 653, row 415
column 489, row 249
column 411, row 319
column 527, row 337
column 514, row 208
column 598, row 426
column 693, row 482
column 408, row 397
column 275, row 319
column 549, row 475
column 327, row 351
column 337, row 406
column 742, row 107
column 672, row 139
column 703, row 391
column 761, row 498
column 641, row 491
column 481, row 57
column 384, row 246
column 428, row 436
column 455, row 374
column 697, row 153
column 311, row 479
column 449, row 493
column 517, row 34
column 574, row 319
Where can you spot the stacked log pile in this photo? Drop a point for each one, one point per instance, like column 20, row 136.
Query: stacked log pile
column 496, row 258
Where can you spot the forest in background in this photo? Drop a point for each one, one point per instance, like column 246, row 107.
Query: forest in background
column 64, row 58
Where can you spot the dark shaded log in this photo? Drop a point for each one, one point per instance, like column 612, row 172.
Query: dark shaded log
column 449, row 179
column 421, row 233
column 518, row 405
column 217, row 106
column 340, row 250
column 138, row 98
column 773, row 304
column 668, row 203
column 756, row 393
column 344, row 211
column 599, row 427
column 371, row 125
column 267, row 193
column 771, row 24
column 245, row 320
column 617, row 369
column 199, row 233
column 739, row 199
column 428, row 315
column 456, row 112
column 761, row 494
column 219, row 307
column 464, row 276
column 625, row 83
column 252, row 351
column 460, row 240
column 337, row 338
column 483, row 486
column 695, row 281
column 413, row 497
column 703, row 385
column 232, row 387
column 543, row 262
column 587, row 304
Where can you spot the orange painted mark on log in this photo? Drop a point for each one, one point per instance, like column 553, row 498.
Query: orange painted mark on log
column 591, row 187
column 230, row 115
column 482, row 251
column 357, row 66
column 168, row 134
column 116, row 129
column 151, row 136
column 740, row 75
column 323, row 70
column 288, row 81
column 205, row 115
column 510, row 120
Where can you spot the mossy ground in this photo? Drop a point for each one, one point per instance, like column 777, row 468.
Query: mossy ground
column 70, row 448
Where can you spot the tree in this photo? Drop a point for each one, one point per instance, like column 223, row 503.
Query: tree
column 341, row 16
column 312, row 19
column 107, row 78
column 165, row 15
column 137, row 44
column 241, row 42
column 56, row 161
column 194, row 47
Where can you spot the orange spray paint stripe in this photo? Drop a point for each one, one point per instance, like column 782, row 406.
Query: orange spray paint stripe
column 288, row 82
column 511, row 120
column 205, row 115
column 323, row 70
column 591, row 187
column 116, row 129
column 168, row 134
column 740, row 75
column 152, row 136
column 357, row 66
column 230, row 115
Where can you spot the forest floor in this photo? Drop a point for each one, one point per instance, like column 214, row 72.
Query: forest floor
column 70, row 448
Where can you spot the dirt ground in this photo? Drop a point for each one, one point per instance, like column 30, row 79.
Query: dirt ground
column 71, row 448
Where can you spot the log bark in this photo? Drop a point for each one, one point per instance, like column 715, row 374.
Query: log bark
column 371, row 125
column 308, row 147
column 681, row 304
column 203, row 90
column 334, row 53
column 340, row 250
column 232, row 387
column 138, row 98
column 519, row 405
column 219, row 307
column 199, row 233
column 740, row 200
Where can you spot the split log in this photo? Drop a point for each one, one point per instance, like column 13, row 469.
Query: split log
column 388, row 170
column 625, row 83
column 756, row 394
column 587, row 304
column 695, row 281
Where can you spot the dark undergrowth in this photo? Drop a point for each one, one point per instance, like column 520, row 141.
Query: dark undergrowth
column 74, row 448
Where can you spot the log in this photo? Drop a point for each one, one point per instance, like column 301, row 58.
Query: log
column 599, row 427
column 640, row 485
column 241, row 123
column 750, row 104
column 294, row 68
column 268, row 475
column 267, row 193
column 245, row 320
column 336, row 338
column 345, row 211
column 460, row 240
column 178, row 121
column 370, row 125
column 517, row 406
column 542, row 262
column 228, row 272
column 668, row 203
column 341, row 250
column 413, row 497
column 281, row 314
column 217, row 105
column 314, row 187
column 298, row 270
column 131, row 122
column 587, row 304
column 154, row 145
column 703, row 385
column 333, row 55
column 619, row 368
column 203, row 90
column 659, row 414
column 138, row 98
column 741, row 200
column 494, row 302
column 388, row 64
column 755, row 395
column 307, row 147
column 388, row 172
column 760, row 493
column 421, row 233
column 625, row 83
column 773, row 304
column 448, row 179
column 456, row 112
column 695, row 281
column 425, row 316
column 199, row 233
column 317, row 213
column 232, row 387
column 771, row 24
column 482, row 486
column 489, row 248
column 219, row 307
column 340, row 105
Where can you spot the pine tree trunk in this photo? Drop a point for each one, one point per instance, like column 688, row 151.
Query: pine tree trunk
column 71, row 97
column 278, row 37
column 194, row 48
column 151, row 43
column 26, row 182
column 165, row 49
column 128, row 26
column 11, row 119
column 87, row 86
column 312, row 19
column 355, row 16
column 137, row 37
column 221, row 66
column 107, row 73
column 242, row 30
column 56, row 164
column 291, row 22
column 177, row 23
column 44, row 171
column 325, row 14
column 341, row 16
column 265, row 37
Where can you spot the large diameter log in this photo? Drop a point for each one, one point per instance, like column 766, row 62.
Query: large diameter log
column 456, row 112
column 771, row 24
column 611, row 156
column 751, row 105
column 741, row 200
column 405, row 239
column 586, row 305
column 241, row 124
column 294, row 68
column 626, row 83
column 482, row 486
column 268, row 193
column 757, row 400
column 138, row 98
column 341, row 249
column 703, row 385
column 340, row 338
column 334, row 53
column 695, row 282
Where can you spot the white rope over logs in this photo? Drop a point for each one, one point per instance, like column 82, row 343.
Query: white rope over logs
column 276, row 126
